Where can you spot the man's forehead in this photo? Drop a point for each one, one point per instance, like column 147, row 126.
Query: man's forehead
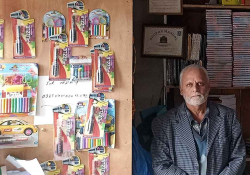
column 194, row 73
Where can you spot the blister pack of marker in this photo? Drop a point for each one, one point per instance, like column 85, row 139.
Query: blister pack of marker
column 103, row 74
column 78, row 24
column 99, row 164
column 60, row 54
column 23, row 28
column 64, row 135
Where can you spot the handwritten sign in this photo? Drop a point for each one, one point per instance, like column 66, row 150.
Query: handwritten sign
column 55, row 93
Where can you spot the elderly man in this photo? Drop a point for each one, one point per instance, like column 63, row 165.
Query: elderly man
column 199, row 137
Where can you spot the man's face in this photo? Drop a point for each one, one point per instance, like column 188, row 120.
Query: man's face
column 195, row 87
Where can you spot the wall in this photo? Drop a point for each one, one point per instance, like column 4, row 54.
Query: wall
column 120, row 41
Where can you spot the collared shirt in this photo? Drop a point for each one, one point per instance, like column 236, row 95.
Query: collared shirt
column 200, row 135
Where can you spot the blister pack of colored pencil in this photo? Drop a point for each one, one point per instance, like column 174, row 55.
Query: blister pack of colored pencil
column 64, row 132
column 99, row 24
column 1, row 38
column 79, row 24
column 60, row 54
column 23, row 28
column 54, row 23
column 18, row 93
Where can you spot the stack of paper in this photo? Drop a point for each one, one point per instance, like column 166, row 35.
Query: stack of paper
column 241, row 48
column 226, row 100
column 219, row 47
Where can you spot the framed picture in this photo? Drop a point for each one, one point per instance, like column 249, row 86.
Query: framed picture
column 165, row 7
column 163, row 41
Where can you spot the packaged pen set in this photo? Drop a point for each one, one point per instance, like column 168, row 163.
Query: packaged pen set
column 1, row 38
column 23, row 35
column 103, row 70
column 95, row 122
column 78, row 24
column 64, row 132
column 18, row 93
column 59, row 58
column 80, row 68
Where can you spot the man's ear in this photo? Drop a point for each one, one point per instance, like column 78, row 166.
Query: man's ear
column 181, row 90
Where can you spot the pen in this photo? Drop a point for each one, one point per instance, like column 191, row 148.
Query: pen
column 19, row 44
column 55, row 63
column 91, row 121
column 99, row 71
column 73, row 29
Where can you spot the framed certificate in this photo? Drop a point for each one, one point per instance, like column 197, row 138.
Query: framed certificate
column 163, row 41
column 165, row 7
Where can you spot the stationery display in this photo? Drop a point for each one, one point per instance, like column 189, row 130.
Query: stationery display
column 241, row 45
column 99, row 24
column 219, row 47
column 59, row 58
column 80, row 68
column 103, row 67
column 84, row 142
column 1, row 38
column 54, row 23
column 16, row 133
column 23, row 28
column 95, row 122
column 64, row 132
column 96, row 118
column 19, row 84
column 72, row 166
column 99, row 164
column 79, row 25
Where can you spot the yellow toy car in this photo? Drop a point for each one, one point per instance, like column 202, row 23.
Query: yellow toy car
column 12, row 127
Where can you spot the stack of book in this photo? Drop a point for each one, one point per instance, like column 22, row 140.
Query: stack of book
column 219, row 47
column 241, row 48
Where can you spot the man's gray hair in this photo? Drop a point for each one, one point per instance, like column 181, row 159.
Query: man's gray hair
column 193, row 66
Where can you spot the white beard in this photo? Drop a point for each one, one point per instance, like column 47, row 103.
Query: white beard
column 196, row 101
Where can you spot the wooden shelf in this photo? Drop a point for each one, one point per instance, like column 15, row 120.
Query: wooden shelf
column 248, row 158
column 186, row 6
